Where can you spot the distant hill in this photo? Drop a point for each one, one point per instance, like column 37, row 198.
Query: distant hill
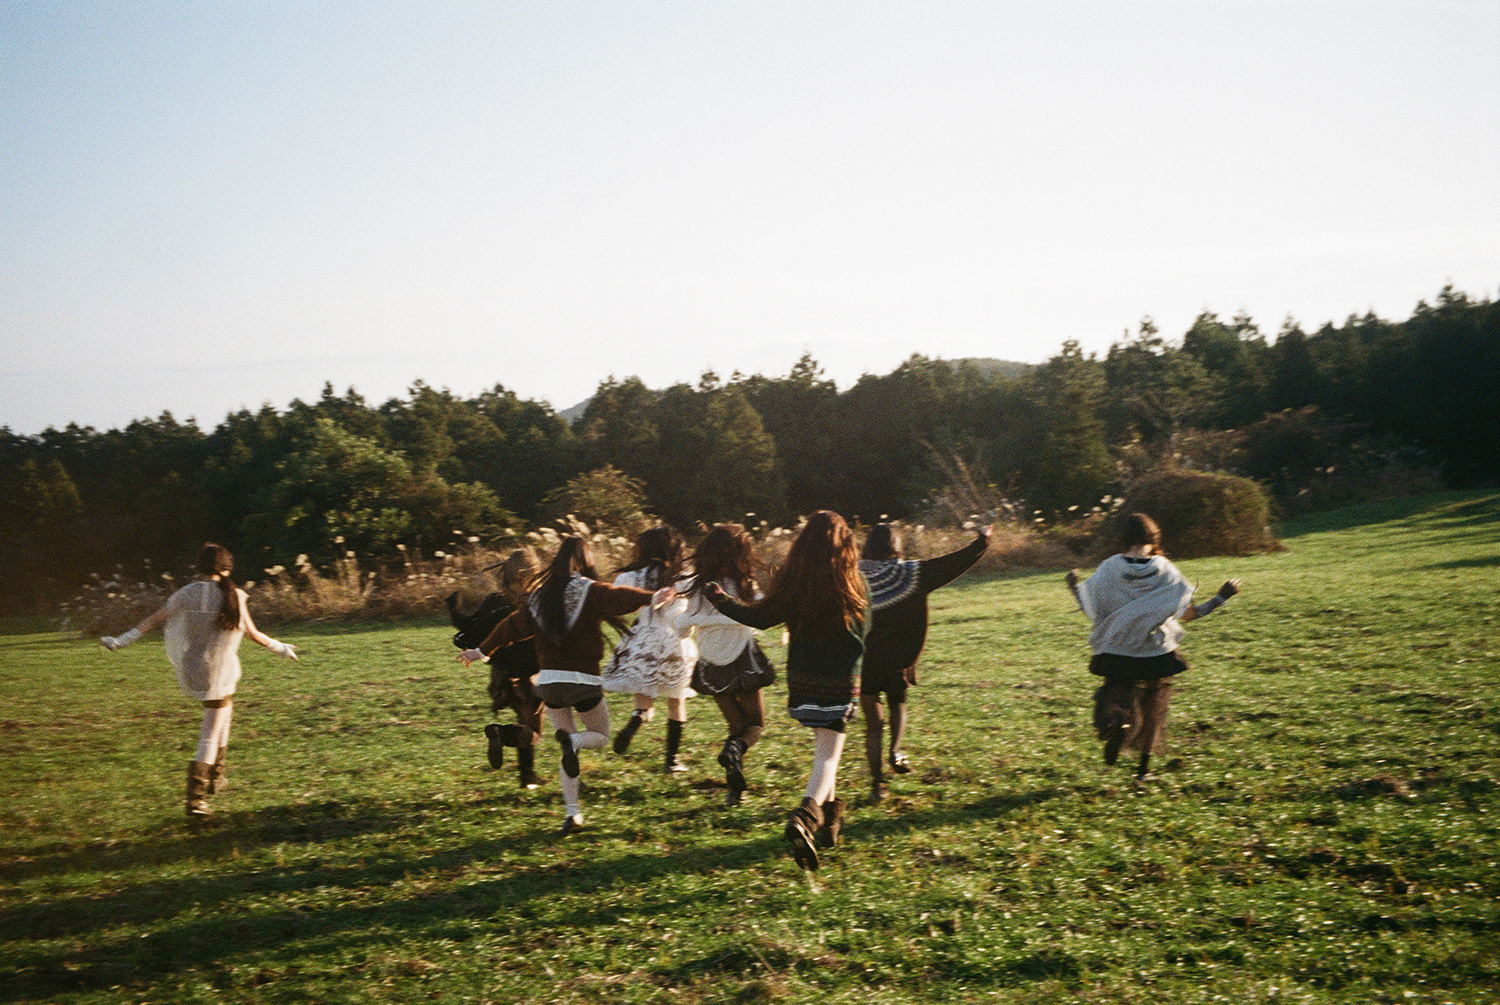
column 1002, row 368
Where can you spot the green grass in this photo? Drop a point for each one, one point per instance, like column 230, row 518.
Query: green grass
column 1323, row 829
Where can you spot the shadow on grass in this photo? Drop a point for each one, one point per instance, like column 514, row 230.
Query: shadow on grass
column 212, row 921
column 1488, row 562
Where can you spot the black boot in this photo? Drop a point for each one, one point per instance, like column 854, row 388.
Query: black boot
column 833, row 823
column 627, row 732
column 569, row 755
column 501, row 737
column 802, row 830
column 526, row 767
column 732, row 760
column 674, row 741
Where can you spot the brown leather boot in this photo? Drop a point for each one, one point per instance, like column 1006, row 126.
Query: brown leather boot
column 801, row 832
column 197, row 788
column 833, row 822
column 218, row 779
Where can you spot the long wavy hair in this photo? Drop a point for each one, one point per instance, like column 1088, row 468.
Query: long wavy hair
column 659, row 551
column 551, row 584
column 216, row 563
column 726, row 554
column 819, row 583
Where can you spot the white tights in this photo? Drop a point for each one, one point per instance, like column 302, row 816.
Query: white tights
column 593, row 736
column 825, row 771
column 676, row 708
column 215, row 731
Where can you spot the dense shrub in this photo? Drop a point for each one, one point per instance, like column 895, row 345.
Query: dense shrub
column 1200, row 514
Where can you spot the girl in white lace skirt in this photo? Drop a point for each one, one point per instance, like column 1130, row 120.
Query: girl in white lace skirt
column 655, row 660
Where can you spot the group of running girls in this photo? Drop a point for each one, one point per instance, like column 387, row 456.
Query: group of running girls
column 856, row 623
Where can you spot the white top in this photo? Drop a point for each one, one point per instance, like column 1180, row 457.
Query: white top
column 1135, row 605
column 205, row 656
column 720, row 638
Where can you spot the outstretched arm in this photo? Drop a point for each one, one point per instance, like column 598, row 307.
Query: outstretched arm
column 149, row 623
column 1072, row 580
column 282, row 649
column 1213, row 603
column 945, row 569
column 761, row 615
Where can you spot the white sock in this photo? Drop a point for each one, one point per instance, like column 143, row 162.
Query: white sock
column 569, row 788
column 215, row 722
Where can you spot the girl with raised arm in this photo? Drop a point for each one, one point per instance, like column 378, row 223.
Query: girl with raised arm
column 1138, row 601
column 564, row 613
column 898, row 631
column 821, row 597
column 731, row 667
column 204, row 623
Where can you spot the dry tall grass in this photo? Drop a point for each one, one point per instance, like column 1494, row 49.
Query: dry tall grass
column 356, row 589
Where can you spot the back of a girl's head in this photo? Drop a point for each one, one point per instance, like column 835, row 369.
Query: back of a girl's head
column 882, row 543
column 214, row 560
column 518, row 569
column 820, row 576
column 1140, row 529
column 659, row 545
column 726, row 552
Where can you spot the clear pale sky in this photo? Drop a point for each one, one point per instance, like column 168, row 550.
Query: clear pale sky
column 210, row 206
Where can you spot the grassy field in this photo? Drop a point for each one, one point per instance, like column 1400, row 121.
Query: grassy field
column 1323, row 828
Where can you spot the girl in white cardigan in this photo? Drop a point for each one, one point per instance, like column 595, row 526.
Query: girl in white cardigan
column 204, row 623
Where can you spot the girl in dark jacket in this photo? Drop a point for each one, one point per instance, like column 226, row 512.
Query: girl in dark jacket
column 565, row 613
column 898, row 631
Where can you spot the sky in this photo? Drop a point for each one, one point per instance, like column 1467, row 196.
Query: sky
column 208, row 207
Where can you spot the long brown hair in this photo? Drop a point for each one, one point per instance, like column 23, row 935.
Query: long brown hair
column 726, row 554
column 550, row 585
column 658, row 550
column 215, row 562
column 820, row 582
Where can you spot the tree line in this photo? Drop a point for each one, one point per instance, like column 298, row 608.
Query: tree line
column 1365, row 406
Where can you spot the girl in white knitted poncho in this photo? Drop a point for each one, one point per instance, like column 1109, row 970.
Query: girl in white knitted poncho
column 1138, row 602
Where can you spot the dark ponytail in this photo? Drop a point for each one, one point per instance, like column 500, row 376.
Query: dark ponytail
column 214, row 560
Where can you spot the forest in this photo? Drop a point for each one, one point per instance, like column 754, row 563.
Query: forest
column 1360, row 410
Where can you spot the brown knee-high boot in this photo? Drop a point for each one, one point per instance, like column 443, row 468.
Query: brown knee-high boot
column 833, row 823
column 197, row 788
column 218, row 779
column 801, row 832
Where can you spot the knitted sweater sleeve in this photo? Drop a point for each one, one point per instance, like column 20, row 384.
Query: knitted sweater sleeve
column 514, row 627
column 765, row 614
column 945, row 569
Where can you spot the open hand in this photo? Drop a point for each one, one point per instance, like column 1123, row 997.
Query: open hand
column 470, row 656
column 663, row 597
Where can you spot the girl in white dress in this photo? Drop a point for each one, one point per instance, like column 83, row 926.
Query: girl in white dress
column 203, row 623
column 655, row 660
